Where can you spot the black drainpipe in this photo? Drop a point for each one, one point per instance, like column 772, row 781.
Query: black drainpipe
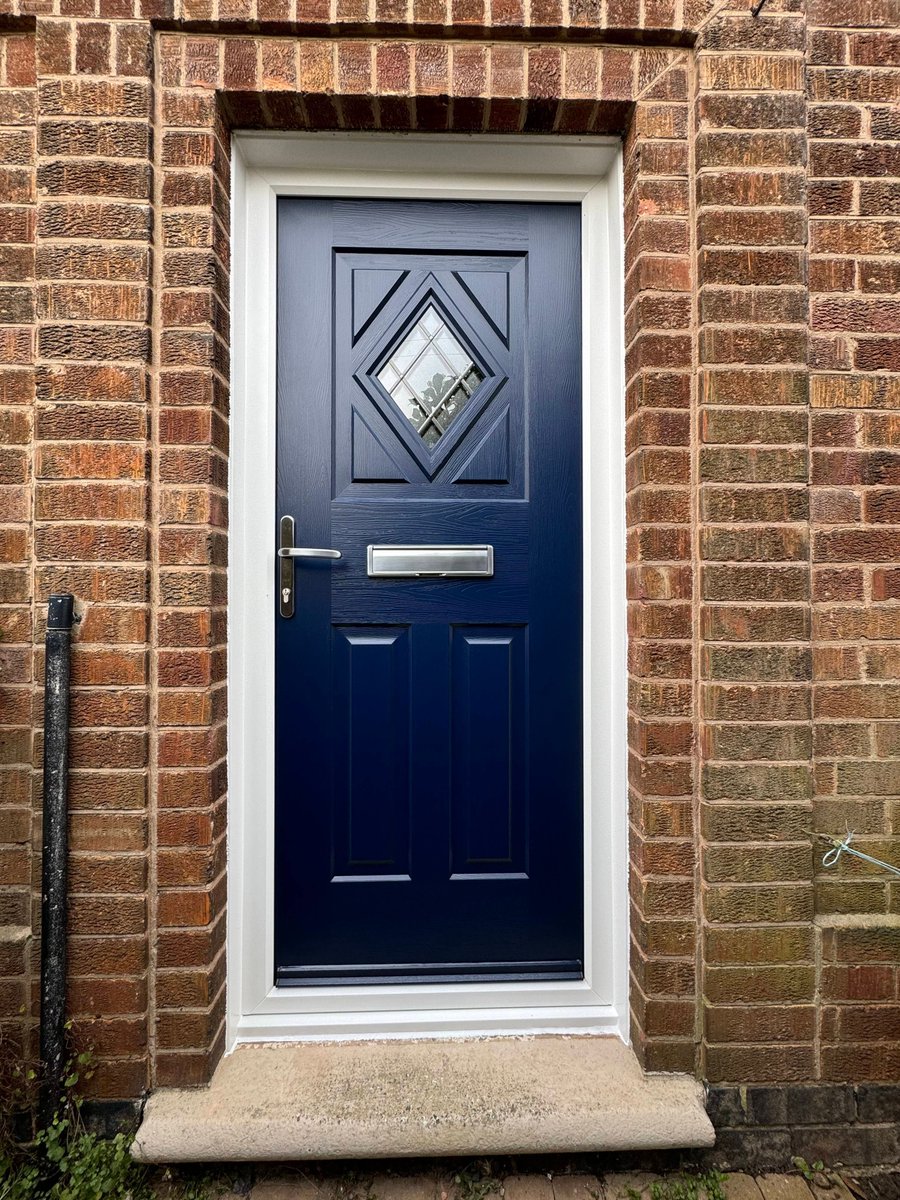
column 55, row 850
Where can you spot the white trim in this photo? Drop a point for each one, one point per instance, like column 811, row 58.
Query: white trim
column 583, row 170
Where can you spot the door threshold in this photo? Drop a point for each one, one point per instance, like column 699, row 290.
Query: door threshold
column 281, row 1101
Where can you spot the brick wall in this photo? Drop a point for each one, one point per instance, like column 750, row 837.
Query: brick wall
column 17, row 235
column 90, row 510
column 190, row 518
column 762, row 212
column 755, row 709
column 854, row 282
column 660, row 580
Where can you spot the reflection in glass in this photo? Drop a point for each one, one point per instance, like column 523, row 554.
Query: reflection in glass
column 430, row 377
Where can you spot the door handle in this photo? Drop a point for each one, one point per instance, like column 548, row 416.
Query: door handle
column 287, row 552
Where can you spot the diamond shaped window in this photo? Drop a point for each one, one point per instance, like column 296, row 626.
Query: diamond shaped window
column 430, row 377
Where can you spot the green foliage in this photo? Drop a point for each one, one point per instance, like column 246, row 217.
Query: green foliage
column 809, row 1171
column 475, row 1182
column 705, row 1185
column 63, row 1161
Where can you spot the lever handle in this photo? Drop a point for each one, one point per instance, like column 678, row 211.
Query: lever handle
column 287, row 552
column 306, row 552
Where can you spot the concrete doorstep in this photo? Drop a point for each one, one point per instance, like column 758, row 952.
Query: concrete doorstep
column 394, row 1099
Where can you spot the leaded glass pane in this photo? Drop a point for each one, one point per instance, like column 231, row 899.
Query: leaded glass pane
column 430, row 377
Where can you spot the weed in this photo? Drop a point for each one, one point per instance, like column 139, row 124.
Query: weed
column 63, row 1161
column 475, row 1182
column 706, row 1185
column 808, row 1170
column 710, row 1184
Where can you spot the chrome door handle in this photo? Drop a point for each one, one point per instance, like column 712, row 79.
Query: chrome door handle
column 287, row 552
column 307, row 552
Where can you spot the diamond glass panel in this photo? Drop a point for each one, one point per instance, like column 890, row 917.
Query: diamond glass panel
column 430, row 377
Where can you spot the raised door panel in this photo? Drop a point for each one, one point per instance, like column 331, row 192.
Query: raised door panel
column 373, row 732
column 489, row 740
column 430, row 392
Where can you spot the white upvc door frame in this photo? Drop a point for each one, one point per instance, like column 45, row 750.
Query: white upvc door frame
column 586, row 171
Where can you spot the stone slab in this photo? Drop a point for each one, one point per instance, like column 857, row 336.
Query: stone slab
column 783, row 1187
column 742, row 1187
column 478, row 1096
column 293, row 1188
column 527, row 1187
column 618, row 1186
column 577, row 1187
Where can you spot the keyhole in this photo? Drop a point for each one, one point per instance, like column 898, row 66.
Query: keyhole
column 285, row 595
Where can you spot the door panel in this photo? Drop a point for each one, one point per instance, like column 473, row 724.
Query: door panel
column 372, row 730
column 429, row 812
column 488, row 333
column 489, row 762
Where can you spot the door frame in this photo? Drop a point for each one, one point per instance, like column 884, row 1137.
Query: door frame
column 583, row 170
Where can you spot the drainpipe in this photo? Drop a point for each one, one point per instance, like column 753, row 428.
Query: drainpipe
column 55, row 850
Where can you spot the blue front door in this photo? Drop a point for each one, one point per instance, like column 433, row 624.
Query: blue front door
column 429, row 811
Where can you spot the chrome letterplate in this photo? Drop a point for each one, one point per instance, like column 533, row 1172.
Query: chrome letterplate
column 431, row 562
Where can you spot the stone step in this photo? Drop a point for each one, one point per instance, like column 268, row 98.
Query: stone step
column 480, row 1096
